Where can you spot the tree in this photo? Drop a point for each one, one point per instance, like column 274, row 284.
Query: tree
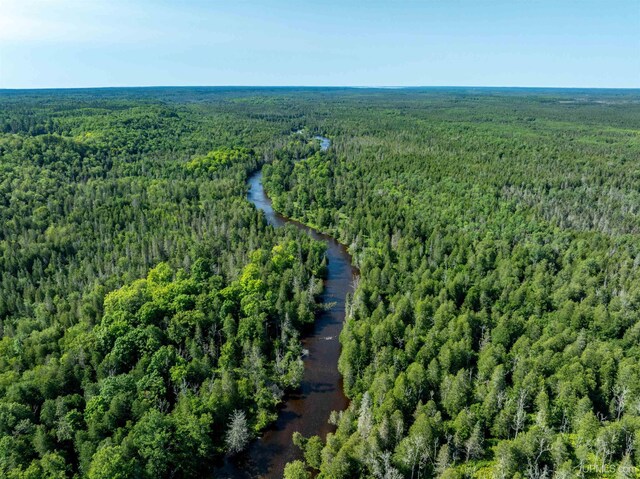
column 383, row 467
column 365, row 419
column 626, row 469
column 153, row 439
column 443, row 459
column 474, row 444
column 296, row 470
column 313, row 452
column 311, row 448
column 109, row 462
column 237, row 436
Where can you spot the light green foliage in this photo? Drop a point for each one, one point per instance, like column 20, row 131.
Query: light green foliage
column 216, row 159
column 311, row 448
column 109, row 463
column 141, row 302
column 296, row 470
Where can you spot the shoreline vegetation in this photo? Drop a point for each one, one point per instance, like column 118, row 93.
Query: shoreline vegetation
column 308, row 408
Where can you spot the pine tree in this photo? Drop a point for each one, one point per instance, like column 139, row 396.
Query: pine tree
column 238, row 432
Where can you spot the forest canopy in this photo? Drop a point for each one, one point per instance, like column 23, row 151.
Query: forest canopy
column 494, row 331
column 150, row 318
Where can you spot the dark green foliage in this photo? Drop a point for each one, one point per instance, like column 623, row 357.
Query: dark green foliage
column 494, row 328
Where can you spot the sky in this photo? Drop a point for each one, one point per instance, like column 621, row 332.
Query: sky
column 536, row 43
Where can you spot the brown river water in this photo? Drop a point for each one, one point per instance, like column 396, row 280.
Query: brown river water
column 306, row 410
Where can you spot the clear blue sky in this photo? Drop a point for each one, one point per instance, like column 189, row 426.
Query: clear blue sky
column 81, row 43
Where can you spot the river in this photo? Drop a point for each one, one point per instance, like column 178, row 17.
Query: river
column 306, row 410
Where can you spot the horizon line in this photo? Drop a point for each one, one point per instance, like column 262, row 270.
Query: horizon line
column 355, row 87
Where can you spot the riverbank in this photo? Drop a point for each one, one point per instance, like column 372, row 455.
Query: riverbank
column 308, row 409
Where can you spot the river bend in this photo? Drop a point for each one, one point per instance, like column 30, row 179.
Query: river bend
column 306, row 410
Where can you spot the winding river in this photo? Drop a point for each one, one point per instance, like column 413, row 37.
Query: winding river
column 308, row 409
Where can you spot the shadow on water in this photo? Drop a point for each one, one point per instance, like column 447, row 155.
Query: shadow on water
column 306, row 410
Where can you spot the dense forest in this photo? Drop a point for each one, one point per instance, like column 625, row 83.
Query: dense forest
column 495, row 328
column 150, row 318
